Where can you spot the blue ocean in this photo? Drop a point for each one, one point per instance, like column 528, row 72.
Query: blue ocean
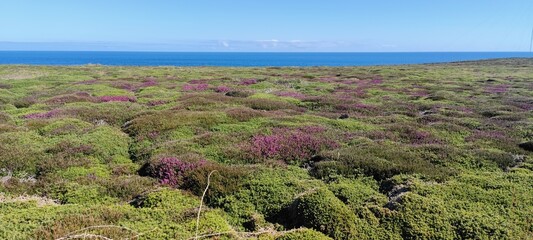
column 234, row 59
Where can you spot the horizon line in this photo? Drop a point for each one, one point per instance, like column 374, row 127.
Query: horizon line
column 170, row 51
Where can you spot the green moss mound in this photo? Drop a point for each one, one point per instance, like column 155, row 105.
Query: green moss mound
column 322, row 211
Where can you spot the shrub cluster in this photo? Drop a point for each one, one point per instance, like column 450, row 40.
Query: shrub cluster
column 402, row 152
column 291, row 145
column 171, row 171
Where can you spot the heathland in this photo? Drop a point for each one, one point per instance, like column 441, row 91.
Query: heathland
column 437, row 151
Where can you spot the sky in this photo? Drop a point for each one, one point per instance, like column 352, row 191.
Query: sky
column 266, row 26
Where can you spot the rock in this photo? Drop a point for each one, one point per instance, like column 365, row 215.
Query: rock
column 395, row 195
column 427, row 112
column 100, row 122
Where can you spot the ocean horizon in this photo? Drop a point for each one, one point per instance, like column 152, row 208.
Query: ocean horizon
column 244, row 59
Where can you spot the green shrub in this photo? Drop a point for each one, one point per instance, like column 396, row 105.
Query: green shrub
column 5, row 118
column 421, row 218
column 267, row 191
column 107, row 143
column 381, row 162
column 7, row 128
column 113, row 113
column 65, row 126
column 73, row 173
column 74, row 193
column 155, row 123
column 25, row 102
column 244, row 114
column 479, row 225
column 267, row 104
column 322, row 211
column 224, row 181
column 20, row 152
column 127, row 187
column 212, row 221
column 64, row 155
column 167, row 199
column 357, row 192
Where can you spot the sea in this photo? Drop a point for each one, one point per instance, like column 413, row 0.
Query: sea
column 244, row 59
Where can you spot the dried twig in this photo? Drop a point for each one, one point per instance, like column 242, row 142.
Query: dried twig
column 74, row 235
column 201, row 203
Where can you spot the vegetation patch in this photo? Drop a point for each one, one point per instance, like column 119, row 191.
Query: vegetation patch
column 440, row 151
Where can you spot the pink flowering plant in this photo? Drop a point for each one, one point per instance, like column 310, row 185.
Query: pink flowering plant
column 291, row 145
column 149, row 82
column 247, row 82
column 195, row 87
column 501, row 88
column 45, row 115
column 171, row 170
column 118, row 99
column 222, row 89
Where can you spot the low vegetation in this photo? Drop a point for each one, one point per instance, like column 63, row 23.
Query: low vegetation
column 438, row 151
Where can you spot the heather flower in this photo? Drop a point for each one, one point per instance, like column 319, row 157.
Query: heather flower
column 524, row 105
column 376, row 80
column 149, row 82
column 71, row 149
column 170, row 170
column 153, row 135
column 45, row 115
column 363, row 106
column 125, row 86
column 222, row 89
column 351, row 92
column 487, row 135
column 414, row 135
column 117, row 99
column 77, row 97
column 291, row 144
column 355, row 107
column 502, row 88
column 198, row 81
column 419, row 137
column 247, row 82
column 195, row 87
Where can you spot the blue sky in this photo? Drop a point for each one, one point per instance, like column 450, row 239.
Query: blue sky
column 274, row 25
